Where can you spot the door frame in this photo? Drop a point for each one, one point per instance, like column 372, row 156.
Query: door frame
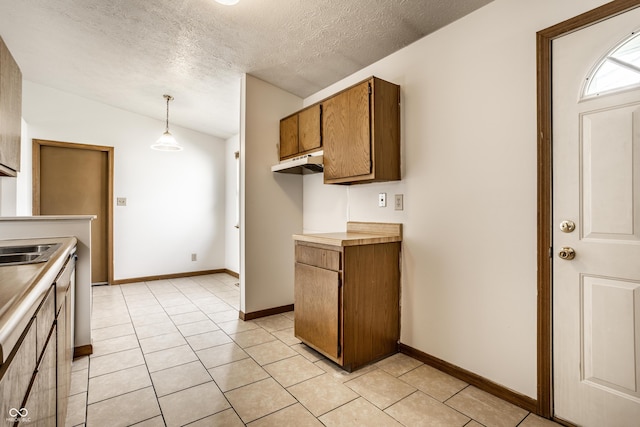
column 545, row 175
column 36, row 144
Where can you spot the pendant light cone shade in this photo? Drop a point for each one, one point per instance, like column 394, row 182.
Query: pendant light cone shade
column 167, row 142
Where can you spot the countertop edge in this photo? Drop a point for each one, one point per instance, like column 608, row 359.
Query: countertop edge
column 19, row 314
column 49, row 218
column 347, row 239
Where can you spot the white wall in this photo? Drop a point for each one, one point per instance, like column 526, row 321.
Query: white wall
column 271, row 203
column 175, row 201
column 232, row 231
column 469, row 185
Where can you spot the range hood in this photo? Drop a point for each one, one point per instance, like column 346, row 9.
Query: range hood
column 309, row 163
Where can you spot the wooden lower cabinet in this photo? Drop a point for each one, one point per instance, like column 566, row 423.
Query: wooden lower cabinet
column 317, row 308
column 16, row 374
column 65, row 358
column 347, row 301
column 41, row 400
column 36, row 378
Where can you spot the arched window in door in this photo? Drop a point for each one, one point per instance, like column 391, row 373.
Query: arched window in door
column 616, row 71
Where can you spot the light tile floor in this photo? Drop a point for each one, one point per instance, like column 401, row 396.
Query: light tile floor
column 174, row 353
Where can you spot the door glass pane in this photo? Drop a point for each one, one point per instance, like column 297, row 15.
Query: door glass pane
column 618, row 70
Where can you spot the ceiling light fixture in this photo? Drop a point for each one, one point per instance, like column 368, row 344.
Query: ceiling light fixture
column 228, row 2
column 167, row 142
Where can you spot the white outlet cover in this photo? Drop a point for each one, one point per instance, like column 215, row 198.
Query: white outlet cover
column 382, row 200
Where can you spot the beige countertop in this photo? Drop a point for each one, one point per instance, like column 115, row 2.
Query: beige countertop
column 346, row 238
column 358, row 233
column 22, row 288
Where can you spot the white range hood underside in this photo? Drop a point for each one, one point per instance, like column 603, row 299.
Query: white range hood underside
column 309, row 163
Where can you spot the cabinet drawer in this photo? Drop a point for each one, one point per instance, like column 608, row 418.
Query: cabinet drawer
column 318, row 257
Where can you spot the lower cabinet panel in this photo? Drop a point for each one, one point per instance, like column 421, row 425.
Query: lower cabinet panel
column 41, row 401
column 15, row 376
column 317, row 307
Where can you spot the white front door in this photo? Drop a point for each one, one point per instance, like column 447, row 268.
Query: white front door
column 596, row 185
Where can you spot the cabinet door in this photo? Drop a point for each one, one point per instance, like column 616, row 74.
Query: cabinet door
column 41, row 401
column 10, row 112
column 65, row 356
column 16, row 373
column 44, row 319
column 346, row 130
column 317, row 305
column 309, row 129
column 289, row 137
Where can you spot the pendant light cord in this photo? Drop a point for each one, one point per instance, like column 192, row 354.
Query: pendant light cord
column 168, row 98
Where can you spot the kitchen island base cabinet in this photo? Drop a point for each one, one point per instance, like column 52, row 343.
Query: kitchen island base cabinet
column 347, row 301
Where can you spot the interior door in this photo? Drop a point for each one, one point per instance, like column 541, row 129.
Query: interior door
column 75, row 179
column 596, row 186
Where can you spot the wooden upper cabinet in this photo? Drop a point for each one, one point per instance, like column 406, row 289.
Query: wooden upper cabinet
column 300, row 132
column 289, row 137
column 361, row 133
column 309, row 130
column 10, row 112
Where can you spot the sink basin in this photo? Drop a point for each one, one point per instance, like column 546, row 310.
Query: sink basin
column 26, row 254
column 24, row 249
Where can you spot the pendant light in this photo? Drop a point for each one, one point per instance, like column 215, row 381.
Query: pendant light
column 167, row 142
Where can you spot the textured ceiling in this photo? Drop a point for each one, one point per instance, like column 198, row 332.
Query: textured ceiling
column 128, row 53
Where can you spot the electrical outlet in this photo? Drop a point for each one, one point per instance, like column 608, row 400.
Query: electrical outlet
column 121, row 201
column 194, row 257
column 382, row 200
column 399, row 202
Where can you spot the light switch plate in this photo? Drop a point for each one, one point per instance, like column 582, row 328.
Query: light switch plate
column 399, row 202
column 382, row 200
column 121, row 201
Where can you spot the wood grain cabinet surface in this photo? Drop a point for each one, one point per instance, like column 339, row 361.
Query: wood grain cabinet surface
column 347, row 300
column 300, row 133
column 361, row 133
column 10, row 112
column 16, row 374
column 65, row 284
column 36, row 378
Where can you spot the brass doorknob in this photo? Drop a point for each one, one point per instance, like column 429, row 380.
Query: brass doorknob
column 567, row 253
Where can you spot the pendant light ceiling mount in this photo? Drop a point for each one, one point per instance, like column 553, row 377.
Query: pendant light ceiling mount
column 167, row 142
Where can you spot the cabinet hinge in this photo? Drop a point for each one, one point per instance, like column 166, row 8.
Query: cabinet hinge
column 370, row 89
column 339, row 349
column 550, row 252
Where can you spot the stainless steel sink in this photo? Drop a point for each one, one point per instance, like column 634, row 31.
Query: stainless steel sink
column 26, row 254
column 24, row 249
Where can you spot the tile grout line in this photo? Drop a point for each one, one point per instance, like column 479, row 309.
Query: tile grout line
column 207, row 371
column 164, row 421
